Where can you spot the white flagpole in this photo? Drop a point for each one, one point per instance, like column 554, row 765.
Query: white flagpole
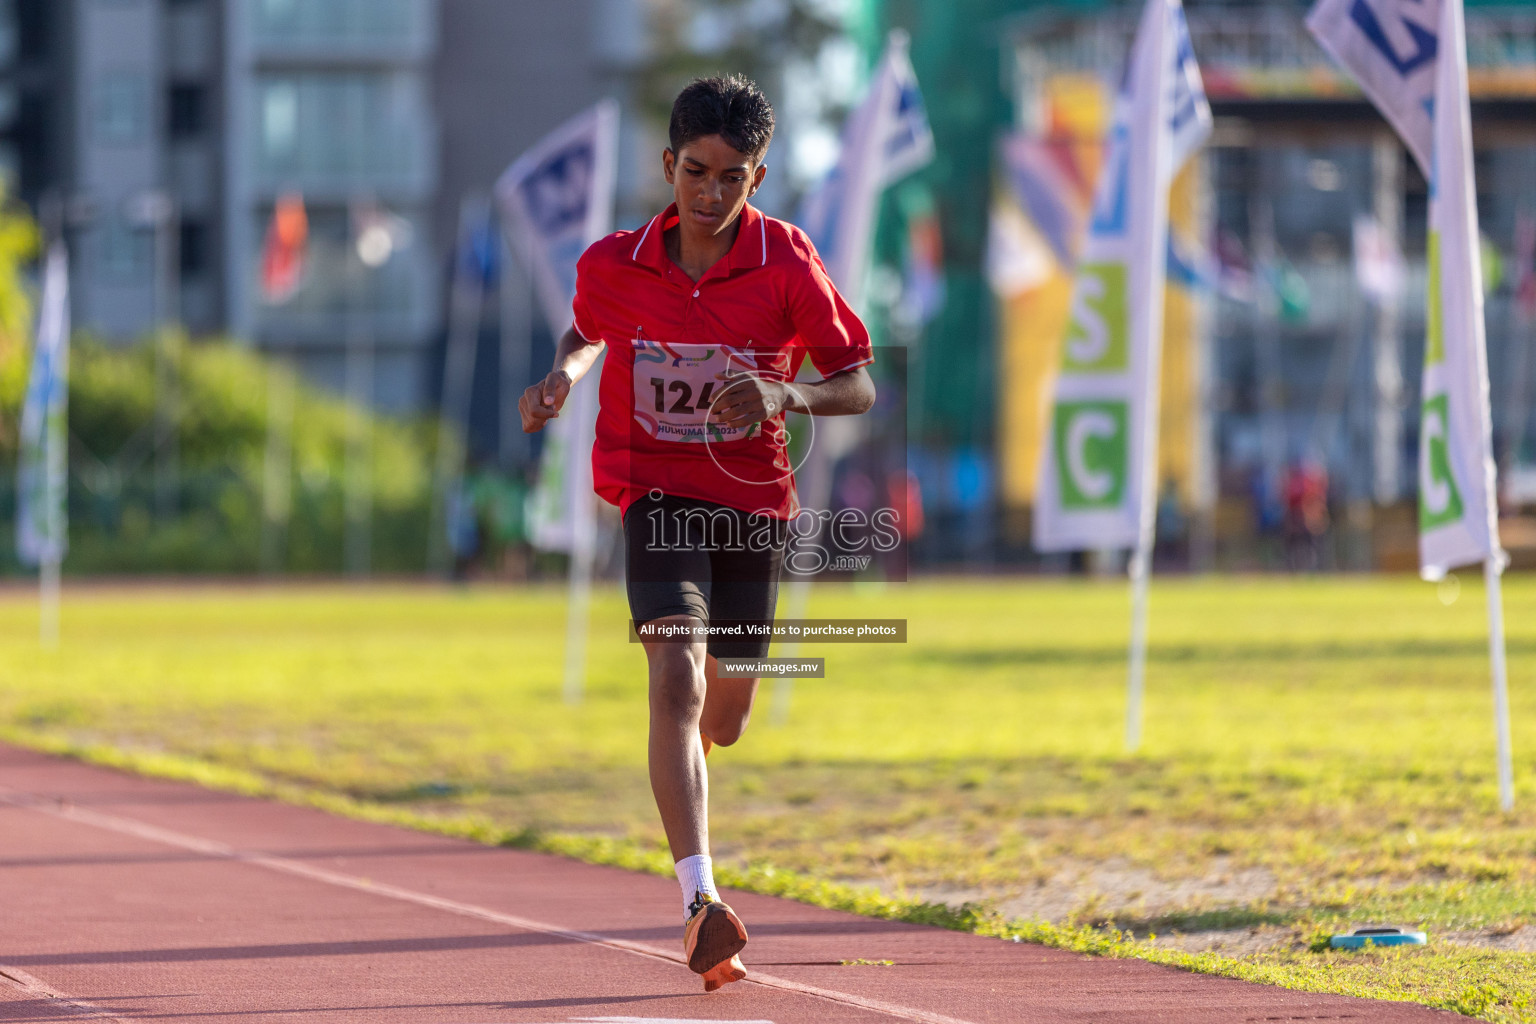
column 1108, row 388
column 546, row 252
column 869, row 163
column 358, row 476
column 1493, row 576
column 465, row 310
column 579, row 602
column 1153, row 271
column 48, row 604
column 277, row 467
column 1136, row 681
column 1452, row 103
column 582, row 502
column 517, row 312
column 1456, row 435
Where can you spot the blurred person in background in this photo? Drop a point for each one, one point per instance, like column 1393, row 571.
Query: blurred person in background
column 708, row 312
column 1306, row 514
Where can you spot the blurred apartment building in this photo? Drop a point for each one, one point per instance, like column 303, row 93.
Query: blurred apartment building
column 166, row 129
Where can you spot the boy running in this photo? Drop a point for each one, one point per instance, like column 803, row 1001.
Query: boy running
column 707, row 312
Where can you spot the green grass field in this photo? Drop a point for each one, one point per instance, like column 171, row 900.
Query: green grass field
column 1318, row 754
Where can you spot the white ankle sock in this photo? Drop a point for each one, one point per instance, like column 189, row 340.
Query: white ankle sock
column 695, row 874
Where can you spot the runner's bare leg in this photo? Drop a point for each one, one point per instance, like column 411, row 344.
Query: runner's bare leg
column 727, row 705
column 678, row 777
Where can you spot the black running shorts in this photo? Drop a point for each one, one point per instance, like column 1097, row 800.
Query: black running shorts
column 718, row 564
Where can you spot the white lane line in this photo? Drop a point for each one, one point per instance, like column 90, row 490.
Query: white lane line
column 212, row 848
column 41, row 990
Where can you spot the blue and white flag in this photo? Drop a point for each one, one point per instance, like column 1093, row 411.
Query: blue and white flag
column 1389, row 46
column 1410, row 57
column 42, row 483
column 885, row 138
column 557, row 199
column 1458, row 507
column 1099, row 467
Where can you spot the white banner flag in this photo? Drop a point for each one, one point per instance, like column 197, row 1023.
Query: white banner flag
column 1099, row 465
column 885, row 138
column 1410, row 57
column 1418, row 78
column 557, row 199
column 1389, row 46
column 1458, row 511
column 42, row 484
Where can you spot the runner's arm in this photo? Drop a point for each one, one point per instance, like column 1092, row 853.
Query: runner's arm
column 543, row 401
column 575, row 355
column 842, row 394
column 752, row 399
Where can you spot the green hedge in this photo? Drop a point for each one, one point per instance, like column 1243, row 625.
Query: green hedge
column 216, row 526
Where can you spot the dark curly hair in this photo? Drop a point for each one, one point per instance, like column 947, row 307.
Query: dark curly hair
column 728, row 106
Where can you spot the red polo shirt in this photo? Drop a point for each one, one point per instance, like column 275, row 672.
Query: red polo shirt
column 764, row 307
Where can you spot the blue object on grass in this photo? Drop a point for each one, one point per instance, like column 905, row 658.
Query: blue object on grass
column 1378, row 935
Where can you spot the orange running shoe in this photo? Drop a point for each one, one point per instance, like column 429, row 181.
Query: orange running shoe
column 723, row 973
column 712, row 937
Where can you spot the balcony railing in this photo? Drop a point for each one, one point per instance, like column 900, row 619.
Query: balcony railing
column 1261, row 52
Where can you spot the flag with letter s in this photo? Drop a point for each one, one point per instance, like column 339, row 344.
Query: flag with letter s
column 1100, row 447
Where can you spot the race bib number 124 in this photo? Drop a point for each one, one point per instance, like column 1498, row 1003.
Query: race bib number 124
column 677, row 384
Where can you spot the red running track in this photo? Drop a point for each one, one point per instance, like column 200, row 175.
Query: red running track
column 132, row 899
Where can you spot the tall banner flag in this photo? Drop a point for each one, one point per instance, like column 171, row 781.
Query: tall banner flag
column 1098, row 468
column 1458, row 513
column 41, row 475
column 555, row 200
column 886, row 138
column 1098, row 476
column 1410, row 57
column 42, row 469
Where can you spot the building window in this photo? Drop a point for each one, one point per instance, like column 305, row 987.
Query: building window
column 122, row 108
column 341, row 124
column 279, row 119
column 194, row 248
column 10, row 168
column 10, row 106
column 10, row 34
column 127, row 253
column 32, row 20
column 279, row 10
column 188, row 111
column 333, row 287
